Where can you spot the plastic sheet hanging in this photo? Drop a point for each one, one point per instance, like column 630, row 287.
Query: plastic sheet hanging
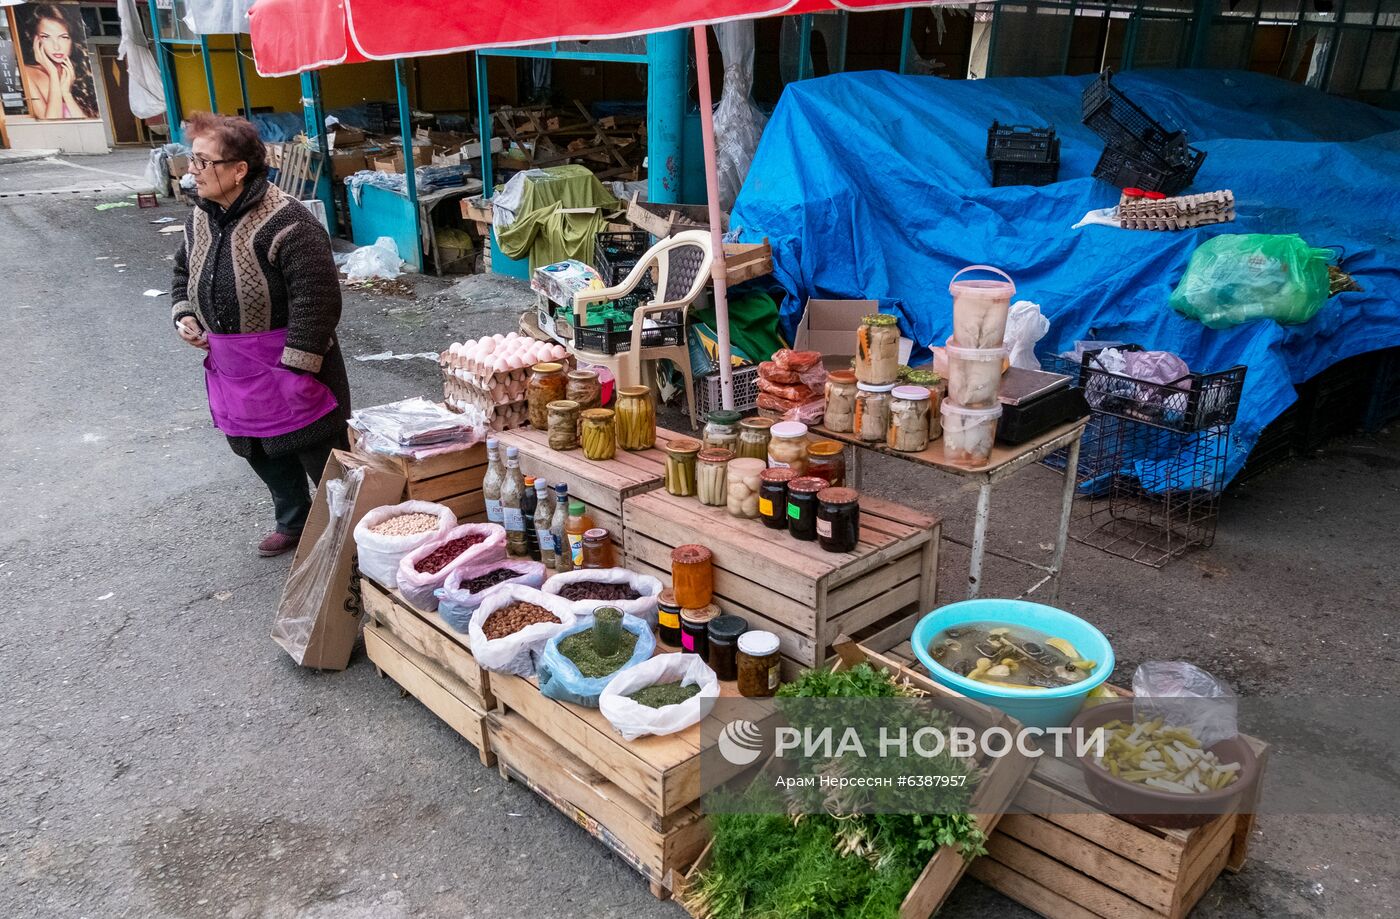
column 738, row 121
column 146, row 95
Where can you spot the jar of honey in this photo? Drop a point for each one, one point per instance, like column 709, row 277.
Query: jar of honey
column 692, row 575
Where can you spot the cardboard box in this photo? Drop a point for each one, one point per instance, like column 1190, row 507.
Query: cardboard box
column 343, row 137
column 422, row 156
column 348, row 162
column 179, row 165
column 335, row 621
column 829, row 326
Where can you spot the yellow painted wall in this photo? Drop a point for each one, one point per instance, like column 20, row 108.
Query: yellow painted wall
column 283, row 94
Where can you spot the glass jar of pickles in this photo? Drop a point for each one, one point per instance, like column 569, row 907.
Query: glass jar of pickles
column 636, row 418
column 877, row 350
column 563, row 424
column 547, row 384
column 599, row 439
column 711, row 476
column 745, row 478
column 909, row 415
column 826, row 459
column 680, row 466
column 585, row 389
column 754, row 434
column 722, row 430
column 787, row 446
column 872, row 420
column 840, row 412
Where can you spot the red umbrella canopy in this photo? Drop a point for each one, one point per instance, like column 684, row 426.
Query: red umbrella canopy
column 291, row 36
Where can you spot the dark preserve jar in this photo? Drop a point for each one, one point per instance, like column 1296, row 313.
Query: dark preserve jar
column 695, row 625
column 668, row 618
column 724, row 645
column 772, row 497
column 802, row 506
column 838, row 519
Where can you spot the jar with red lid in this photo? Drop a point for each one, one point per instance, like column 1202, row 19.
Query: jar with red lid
column 772, row 497
column 802, row 506
column 838, row 519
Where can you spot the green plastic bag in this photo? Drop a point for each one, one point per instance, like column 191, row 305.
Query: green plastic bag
column 1238, row 278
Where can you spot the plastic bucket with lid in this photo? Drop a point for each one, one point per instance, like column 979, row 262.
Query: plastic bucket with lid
column 980, row 308
column 974, row 375
column 968, row 433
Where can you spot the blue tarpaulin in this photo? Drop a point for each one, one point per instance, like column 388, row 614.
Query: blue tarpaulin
column 876, row 185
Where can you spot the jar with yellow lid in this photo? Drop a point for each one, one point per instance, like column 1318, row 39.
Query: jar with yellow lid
column 599, row 439
column 547, row 384
column 636, row 418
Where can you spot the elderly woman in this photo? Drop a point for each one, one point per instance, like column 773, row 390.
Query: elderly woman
column 256, row 287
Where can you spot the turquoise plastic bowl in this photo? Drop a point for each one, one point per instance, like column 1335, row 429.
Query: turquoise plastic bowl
column 1042, row 708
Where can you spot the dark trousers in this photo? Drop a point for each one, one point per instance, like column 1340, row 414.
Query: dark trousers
column 285, row 477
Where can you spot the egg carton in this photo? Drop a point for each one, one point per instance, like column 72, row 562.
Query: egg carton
column 1180, row 213
column 500, row 360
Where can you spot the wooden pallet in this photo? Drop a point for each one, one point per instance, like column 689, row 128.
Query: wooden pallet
column 452, row 479
column 804, row 595
column 1063, row 857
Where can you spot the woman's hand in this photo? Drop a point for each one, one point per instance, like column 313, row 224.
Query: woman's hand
column 41, row 57
column 66, row 77
column 192, row 334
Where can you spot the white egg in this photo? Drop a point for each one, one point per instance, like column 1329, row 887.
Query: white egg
column 498, row 337
column 487, row 345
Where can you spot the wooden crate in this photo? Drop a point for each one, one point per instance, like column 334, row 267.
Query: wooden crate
column 1065, row 858
column 660, row 848
column 452, row 479
column 804, row 595
column 427, row 634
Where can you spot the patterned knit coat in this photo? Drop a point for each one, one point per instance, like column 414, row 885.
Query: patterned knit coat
column 265, row 263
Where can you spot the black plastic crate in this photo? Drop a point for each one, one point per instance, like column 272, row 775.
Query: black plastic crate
column 1123, row 170
column 1123, row 124
column 615, row 254
column 1023, row 155
column 612, row 337
column 1195, row 402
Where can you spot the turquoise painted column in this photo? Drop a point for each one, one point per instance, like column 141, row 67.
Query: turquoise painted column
column 409, row 169
column 667, row 64
column 313, row 114
column 167, row 78
column 242, row 77
column 208, row 72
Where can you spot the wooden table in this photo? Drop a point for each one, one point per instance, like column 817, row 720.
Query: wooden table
column 1004, row 462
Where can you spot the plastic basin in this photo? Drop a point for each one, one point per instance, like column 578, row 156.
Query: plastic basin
column 1041, row 708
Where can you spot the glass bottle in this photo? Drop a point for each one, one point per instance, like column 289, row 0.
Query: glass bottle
column 491, row 484
column 512, row 490
column 546, row 384
column 544, row 517
column 575, row 526
column 636, row 418
column 754, row 434
column 563, row 557
column 528, row 506
column 722, row 430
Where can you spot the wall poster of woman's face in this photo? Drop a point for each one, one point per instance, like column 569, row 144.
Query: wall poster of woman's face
column 52, row 41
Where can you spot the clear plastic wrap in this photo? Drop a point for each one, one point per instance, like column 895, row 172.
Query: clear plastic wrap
column 633, row 720
column 1184, row 695
column 738, row 121
column 411, row 425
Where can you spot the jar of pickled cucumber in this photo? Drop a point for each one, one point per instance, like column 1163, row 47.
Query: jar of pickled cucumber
column 680, row 466
column 599, row 439
column 636, row 418
column 722, row 430
column 754, row 434
column 711, row 476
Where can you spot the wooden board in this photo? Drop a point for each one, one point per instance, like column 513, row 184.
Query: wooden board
column 1002, row 456
column 441, row 692
column 452, row 479
column 429, row 635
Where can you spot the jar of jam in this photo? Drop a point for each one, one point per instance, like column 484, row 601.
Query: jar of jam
column 772, row 497
column 692, row 575
column 754, row 434
column 826, row 459
column 759, row 664
column 695, row 624
column 723, row 635
column 668, row 618
column 802, row 506
column 585, row 389
column 722, row 429
column 563, row 424
column 712, row 477
column 599, row 439
column 872, row 423
column 680, row 466
column 838, row 519
column 840, row 414
column 598, row 549
column 547, row 384
column 788, row 446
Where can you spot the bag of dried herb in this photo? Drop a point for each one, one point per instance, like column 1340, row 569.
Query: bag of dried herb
column 634, row 594
column 629, row 701
column 573, row 668
column 468, row 585
column 512, row 624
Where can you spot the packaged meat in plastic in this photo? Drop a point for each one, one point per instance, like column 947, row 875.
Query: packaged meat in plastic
column 798, row 393
column 771, row 371
column 798, row 361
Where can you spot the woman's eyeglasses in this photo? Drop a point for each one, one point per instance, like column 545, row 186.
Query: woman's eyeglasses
column 200, row 163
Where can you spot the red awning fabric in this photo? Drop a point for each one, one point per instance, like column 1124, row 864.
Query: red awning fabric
column 292, row 36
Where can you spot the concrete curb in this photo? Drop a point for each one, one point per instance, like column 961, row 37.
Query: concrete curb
column 8, row 157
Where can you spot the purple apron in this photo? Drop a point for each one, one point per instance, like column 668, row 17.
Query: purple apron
column 252, row 395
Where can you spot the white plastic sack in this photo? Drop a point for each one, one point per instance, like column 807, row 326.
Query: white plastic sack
column 380, row 555
column 516, row 653
column 644, row 607
column 380, row 260
column 456, row 605
column 634, row 720
column 146, row 93
column 1184, row 695
column 420, row 589
column 738, row 121
column 217, row 17
column 1024, row 327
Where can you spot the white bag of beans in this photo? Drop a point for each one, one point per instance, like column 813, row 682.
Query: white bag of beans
column 516, row 651
column 386, row 534
column 645, row 586
column 426, row 568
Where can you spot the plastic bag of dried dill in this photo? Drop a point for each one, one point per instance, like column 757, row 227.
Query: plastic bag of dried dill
column 660, row 695
column 573, row 669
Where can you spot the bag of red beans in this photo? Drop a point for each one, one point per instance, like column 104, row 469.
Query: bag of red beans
column 425, row 569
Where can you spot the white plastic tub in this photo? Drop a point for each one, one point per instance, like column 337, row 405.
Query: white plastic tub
column 980, row 308
column 968, row 433
column 974, row 375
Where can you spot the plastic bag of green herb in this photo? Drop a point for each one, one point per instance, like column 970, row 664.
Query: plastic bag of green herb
column 561, row 678
column 633, row 720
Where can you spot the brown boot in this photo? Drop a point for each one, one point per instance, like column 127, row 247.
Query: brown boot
column 277, row 543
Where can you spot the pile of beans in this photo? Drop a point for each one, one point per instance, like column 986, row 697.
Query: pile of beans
column 597, row 590
column 439, row 558
column 406, row 525
column 512, row 618
column 489, row 579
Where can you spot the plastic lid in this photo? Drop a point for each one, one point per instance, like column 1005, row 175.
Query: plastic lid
column 789, row 429
column 529, row 481
column 1154, row 195
column 597, row 533
column 824, row 448
column 875, row 387
column 561, row 488
column 492, row 443
column 725, row 417
column 758, row 644
column 728, row 628
column 701, row 615
column 909, row 394
column 808, row 484
column 1134, row 192
column 976, row 354
column 842, row 376
column 838, row 496
column 952, row 408
column 716, row 455
column 880, row 319
column 576, row 507
column 541, row 486
column 512, row 452
column 547, row 367
column 777, row 474
column 683, row 445
column 757, row 424
column 983, row 288
column 690, row 554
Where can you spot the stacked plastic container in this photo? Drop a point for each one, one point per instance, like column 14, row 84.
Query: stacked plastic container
column 976, row 356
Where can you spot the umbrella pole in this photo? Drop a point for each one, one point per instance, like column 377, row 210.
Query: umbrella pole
column 707, row 133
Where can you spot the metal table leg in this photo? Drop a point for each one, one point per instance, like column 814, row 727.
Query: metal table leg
column 979, row 540
column 1066, row 506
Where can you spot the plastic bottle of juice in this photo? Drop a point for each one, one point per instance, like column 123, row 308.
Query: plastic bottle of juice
column 544, row 516
column 491, row 484
column 563, row 558
column 512, row 489
column 578, row 523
